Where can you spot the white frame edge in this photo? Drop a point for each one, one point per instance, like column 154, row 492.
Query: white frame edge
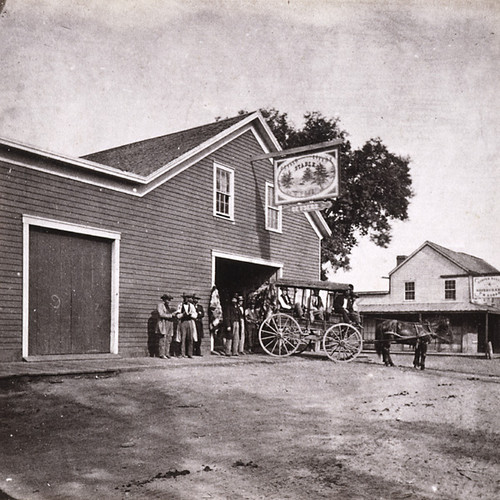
column 241, row 258
column 277, row 208
column 28, row 221
column 217, row 165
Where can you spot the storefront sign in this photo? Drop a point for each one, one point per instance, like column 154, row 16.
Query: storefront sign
column 486, row 287
column 310, row 206
column 308, row 177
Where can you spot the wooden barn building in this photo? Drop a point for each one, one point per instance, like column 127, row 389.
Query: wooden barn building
column 90, row 244
column 436, row 281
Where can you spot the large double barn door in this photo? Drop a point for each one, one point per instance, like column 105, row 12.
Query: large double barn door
column 69, row 293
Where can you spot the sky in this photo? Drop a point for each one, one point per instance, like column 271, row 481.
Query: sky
column 79, row 76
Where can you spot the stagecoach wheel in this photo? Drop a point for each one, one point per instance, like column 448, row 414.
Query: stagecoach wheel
column 342, row 342
column 280, row 335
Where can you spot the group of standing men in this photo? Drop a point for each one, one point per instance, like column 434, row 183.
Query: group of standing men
column 233, row 327
column 240, row 335
column 178, row 331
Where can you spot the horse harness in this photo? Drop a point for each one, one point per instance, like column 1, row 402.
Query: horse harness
column 421, row 334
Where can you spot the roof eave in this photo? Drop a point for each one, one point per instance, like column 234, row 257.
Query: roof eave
column 319, row 224
column 430, row 244
column 206, row 145
column 75, row 162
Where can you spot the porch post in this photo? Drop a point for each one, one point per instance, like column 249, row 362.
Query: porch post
column 486, row 331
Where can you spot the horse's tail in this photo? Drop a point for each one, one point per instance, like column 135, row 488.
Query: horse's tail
column 379, row 336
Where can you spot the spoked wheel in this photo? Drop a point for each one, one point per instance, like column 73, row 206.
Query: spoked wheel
column 342, row 342
column 280, row 335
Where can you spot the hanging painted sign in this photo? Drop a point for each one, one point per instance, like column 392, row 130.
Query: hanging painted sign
column 486, row 287
column 313, row 176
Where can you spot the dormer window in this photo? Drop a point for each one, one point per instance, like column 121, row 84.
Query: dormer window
column 223, row 192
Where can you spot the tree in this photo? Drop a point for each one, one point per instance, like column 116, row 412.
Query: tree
column 320, row 175
column 287, row 180
column 307, row 176
column 375, row 184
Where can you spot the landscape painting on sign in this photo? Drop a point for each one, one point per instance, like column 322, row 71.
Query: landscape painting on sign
column 310, row 177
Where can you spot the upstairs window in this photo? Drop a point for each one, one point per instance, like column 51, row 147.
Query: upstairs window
column 450, row 290
column 273, row 213
column 410, row 290
column 223, row 192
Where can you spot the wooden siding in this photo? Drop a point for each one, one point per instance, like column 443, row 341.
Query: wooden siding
column 167, row 237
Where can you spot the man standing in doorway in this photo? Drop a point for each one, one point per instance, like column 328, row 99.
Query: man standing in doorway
column 251, row 325
column 233, row 327
column 241, row 321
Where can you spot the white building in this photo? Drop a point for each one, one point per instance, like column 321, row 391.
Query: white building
column 435, row 281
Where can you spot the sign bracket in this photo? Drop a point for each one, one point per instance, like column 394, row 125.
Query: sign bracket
column 314, row 148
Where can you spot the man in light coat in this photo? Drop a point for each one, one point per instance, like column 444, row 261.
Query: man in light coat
column 164, row 326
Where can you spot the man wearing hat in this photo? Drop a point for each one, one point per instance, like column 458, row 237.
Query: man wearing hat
column 200, row 314
column 284, row 300
column 236, row 318
column 186, row 314
column 351, row 299
column 164, row 327
column 241, row 324
column 338, row 306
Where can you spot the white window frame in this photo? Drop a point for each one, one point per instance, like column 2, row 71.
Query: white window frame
column 407, row 291
column 270, row 206
column 230, row 215
column 450, row 290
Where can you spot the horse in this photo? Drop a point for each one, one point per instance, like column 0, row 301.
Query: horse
column 418, row 335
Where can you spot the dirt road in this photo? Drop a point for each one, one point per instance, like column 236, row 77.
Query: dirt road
column 292, row 429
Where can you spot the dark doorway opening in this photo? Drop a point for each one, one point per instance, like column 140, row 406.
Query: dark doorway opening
column 235, row 276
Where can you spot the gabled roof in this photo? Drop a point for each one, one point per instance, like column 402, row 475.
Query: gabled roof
column 139, row 175
column 147, row 156
column 138, row 168
column 469, row 263
column 150, row 157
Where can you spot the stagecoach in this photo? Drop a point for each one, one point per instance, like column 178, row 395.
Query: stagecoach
column 308, row 321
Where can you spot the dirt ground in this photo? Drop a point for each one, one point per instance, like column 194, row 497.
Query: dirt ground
column 294, row 428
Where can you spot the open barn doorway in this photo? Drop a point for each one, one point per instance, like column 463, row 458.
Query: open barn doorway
column 237, row 276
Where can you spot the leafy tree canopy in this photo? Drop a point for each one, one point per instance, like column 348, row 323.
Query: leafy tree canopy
column 375, row 187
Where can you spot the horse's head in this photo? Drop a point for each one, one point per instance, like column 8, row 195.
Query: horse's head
column 441, row 329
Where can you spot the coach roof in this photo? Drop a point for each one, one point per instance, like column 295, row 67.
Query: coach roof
column 314, row 285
